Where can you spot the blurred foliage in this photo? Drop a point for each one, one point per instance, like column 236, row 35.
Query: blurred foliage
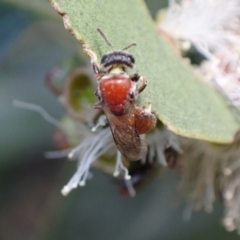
column 31, row 206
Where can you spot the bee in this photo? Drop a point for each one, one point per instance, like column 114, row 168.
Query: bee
column 117, row 93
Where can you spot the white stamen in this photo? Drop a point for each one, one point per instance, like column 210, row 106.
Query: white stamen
column 203, row 23
column 161, row 157
column 65, row 191
column 213, row 28
column 81, row 147
column 228, row 222
column 88, row 152
column 116, row 173
column 57, row 154
column 230, row 169
column 158, row 141
column 39, row 109
column 102, row 122
column 130, row 188
column 82, row 183
column 119, row 165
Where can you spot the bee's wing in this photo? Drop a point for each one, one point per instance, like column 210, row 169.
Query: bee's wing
column 125, row 134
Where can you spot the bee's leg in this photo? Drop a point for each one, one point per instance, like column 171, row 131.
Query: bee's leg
column 144, row 84
column 93, row 59
column 97, row 93
column 98, row 105
column 137, row 77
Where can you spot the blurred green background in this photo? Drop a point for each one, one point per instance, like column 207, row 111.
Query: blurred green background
column 32, row 40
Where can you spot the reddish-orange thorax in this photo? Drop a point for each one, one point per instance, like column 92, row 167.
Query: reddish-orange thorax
column 114, row 92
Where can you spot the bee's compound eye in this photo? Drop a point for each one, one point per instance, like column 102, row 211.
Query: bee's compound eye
column 104, row 59
column 132, row 59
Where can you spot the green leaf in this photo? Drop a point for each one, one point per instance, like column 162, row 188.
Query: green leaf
column 181, row 100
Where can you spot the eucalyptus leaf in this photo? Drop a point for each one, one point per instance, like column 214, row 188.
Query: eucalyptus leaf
column 182, row 101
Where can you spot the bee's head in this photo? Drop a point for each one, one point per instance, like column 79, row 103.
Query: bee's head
column 116, row 59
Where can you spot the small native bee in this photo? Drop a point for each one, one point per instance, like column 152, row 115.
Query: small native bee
column 117, row 93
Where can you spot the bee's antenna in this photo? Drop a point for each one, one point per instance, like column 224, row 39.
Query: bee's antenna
column 131, row 45
column 104, row 37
